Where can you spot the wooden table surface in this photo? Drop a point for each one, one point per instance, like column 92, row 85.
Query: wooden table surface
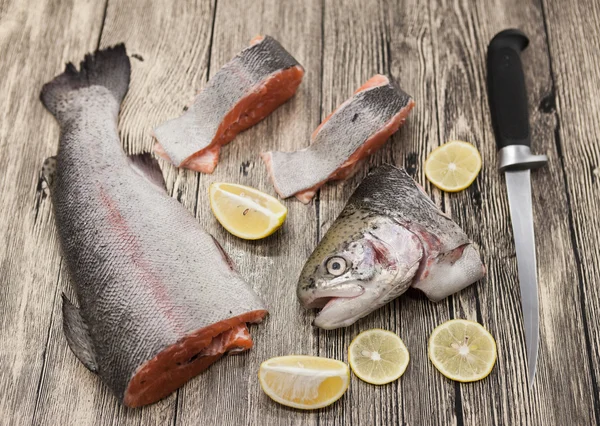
column 435, row 50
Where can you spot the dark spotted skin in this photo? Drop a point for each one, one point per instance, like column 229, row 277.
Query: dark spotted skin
column 339, row 235
column 390, row 191
column 350, row 126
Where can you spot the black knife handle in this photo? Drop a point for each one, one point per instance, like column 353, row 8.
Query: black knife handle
column 506, row 88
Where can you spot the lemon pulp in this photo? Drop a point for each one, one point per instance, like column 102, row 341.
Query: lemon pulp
column 378, row 356
column 453, row 166
column 462, row 350
column 304, row 382
column 246, row 212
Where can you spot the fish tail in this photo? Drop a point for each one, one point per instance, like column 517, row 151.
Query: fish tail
column 109, row 68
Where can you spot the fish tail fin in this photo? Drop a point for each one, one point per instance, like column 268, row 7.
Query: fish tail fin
column 109, row 68
column 77, row 335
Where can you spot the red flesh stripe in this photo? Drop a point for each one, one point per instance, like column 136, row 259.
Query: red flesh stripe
column 137, row 258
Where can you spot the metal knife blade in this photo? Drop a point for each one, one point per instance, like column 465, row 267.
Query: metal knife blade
column 518, row 186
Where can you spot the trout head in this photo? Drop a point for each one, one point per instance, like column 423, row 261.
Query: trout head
column 362, row 263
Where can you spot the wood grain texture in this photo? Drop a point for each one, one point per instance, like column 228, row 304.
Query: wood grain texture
column 354, row 49
column 413, row 67
column 435, row 51
column 483, row 212
column 29, row 255
column 574, row 102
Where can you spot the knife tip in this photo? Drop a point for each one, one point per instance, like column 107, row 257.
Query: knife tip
column 531, row 377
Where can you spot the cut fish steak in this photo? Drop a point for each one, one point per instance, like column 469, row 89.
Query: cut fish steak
column 355, row 130
column 159, row 300
column 246, row 90
column 389, row 237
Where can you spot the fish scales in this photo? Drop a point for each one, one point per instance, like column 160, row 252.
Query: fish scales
column 241, row 93
column 394, row 193
column 154, row 289
column 389, row 237
column 353, row 131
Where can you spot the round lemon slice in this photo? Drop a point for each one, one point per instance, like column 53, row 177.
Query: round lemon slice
column 246, row 212
column 453, row 166
column 378, row 356
column 304, row 382
column 462, row 350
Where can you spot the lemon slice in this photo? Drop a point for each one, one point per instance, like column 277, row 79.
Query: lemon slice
column 378, row 356
column 246, row 212
column 462, row 350
column 305, row 382
column 453, row 166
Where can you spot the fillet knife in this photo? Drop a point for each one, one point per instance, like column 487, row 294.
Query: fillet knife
column 510, row 119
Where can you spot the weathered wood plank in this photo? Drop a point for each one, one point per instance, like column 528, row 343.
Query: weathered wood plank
column 435, row 52
column 394, row 38
column 29, row 256
column 574, row 43
column 459, row 60
column 230, row 390
column 482, row 210
column 166, row 63
column 413, row 66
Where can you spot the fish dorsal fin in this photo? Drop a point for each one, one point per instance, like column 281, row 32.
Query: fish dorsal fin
column 49, row 172
column 147, row 166
column 77, row 335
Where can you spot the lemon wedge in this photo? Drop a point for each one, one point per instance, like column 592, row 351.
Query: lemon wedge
column 246, row 212
column 462, row 350
column 453, row 166
column 304, row 382
column 378, row 356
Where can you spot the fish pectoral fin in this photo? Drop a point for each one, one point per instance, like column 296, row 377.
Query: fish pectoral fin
column 224, row 254
column 450, row 272
column 78, row 338
column 48, row 173
column 147, row 166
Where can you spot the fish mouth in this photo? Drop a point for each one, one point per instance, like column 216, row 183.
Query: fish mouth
column 341, row 312
column 322, row 297
column 340, row 305
column 322, row 302
column 342, row 309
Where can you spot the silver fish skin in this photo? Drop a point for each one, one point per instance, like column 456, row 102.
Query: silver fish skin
column 356, row 129
column 154, row 289
column 389, row 237
column 244, row 91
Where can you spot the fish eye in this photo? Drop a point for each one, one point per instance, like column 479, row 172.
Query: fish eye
column 336, row 266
